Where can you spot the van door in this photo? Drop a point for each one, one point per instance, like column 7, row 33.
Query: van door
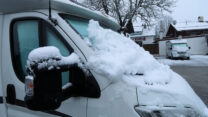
column 2, row 104
column 23, row 33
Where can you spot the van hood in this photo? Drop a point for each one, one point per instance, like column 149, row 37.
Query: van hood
column 177, row 95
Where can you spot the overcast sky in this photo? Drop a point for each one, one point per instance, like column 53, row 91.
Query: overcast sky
column 190, row 10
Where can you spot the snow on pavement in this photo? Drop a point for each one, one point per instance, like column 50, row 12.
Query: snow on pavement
column 195, row 60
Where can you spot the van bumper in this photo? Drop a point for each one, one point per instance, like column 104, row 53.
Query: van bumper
column 165, row 111
column 183, row 55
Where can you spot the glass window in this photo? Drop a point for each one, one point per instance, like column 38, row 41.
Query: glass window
column 26, row 38
column 52, row 39
column 79, row 24
column 30, row 34
column 180, row 45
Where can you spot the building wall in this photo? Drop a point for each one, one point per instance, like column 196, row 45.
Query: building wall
column 198, row 46
column 162, row 48
column 148, row 40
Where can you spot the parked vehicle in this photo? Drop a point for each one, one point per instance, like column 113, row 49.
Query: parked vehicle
column 177, row 49
column 29, row 24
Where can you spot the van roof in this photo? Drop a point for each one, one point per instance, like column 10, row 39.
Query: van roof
column 13, row 6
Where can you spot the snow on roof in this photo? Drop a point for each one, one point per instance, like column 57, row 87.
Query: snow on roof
column 178, row 41
column 149, row 32
column 190, row 26
column 143, row 33
column 138, row 28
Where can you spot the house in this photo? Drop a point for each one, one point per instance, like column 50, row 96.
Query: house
column 145, row 37
column 194, row 32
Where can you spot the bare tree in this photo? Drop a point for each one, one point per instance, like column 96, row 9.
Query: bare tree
column 127, row 10
column 163, row 25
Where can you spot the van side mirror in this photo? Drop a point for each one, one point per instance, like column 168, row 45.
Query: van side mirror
column 43, row 84
column 189, row 47
column 43, row 92
column 170, row 48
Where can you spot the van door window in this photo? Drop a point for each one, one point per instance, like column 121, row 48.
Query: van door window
column 53, row 39
column 25, row 39
column 27, row 35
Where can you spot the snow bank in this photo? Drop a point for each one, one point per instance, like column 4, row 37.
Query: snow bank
column 118, row 57
column 49, row 57
column 195, row 60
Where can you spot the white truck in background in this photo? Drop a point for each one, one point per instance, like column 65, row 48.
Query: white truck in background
column 29, row 24
column 177, row 49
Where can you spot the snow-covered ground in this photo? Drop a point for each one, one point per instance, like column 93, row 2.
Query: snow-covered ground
column 195, row 60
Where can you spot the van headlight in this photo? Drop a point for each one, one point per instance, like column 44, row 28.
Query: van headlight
column 165, row 111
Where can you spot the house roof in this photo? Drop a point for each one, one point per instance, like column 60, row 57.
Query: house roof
column 139, row 31
column 138, row 28
column 186, row 26
column 149, row 32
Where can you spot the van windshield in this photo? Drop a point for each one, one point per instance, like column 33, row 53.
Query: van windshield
column 180, row 45
column 79, row 24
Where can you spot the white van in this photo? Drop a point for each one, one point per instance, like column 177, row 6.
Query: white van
column 28, row 24
column 177, row 49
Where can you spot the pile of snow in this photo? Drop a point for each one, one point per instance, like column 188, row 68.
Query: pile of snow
column 49, row 57
column 119, row 58
column 195, row 60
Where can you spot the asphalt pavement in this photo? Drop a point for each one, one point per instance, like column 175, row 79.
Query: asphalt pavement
column 197, row 77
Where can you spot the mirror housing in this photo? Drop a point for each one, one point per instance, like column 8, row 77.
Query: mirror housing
column 45, row 93
column 189, row 47
column 43, row 84
column 170, row 48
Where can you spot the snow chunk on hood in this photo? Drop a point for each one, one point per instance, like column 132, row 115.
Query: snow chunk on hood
column 117, row 56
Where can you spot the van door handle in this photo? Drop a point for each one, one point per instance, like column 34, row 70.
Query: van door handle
column 11, row 94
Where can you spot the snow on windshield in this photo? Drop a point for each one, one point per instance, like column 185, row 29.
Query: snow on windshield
column 119, row 58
